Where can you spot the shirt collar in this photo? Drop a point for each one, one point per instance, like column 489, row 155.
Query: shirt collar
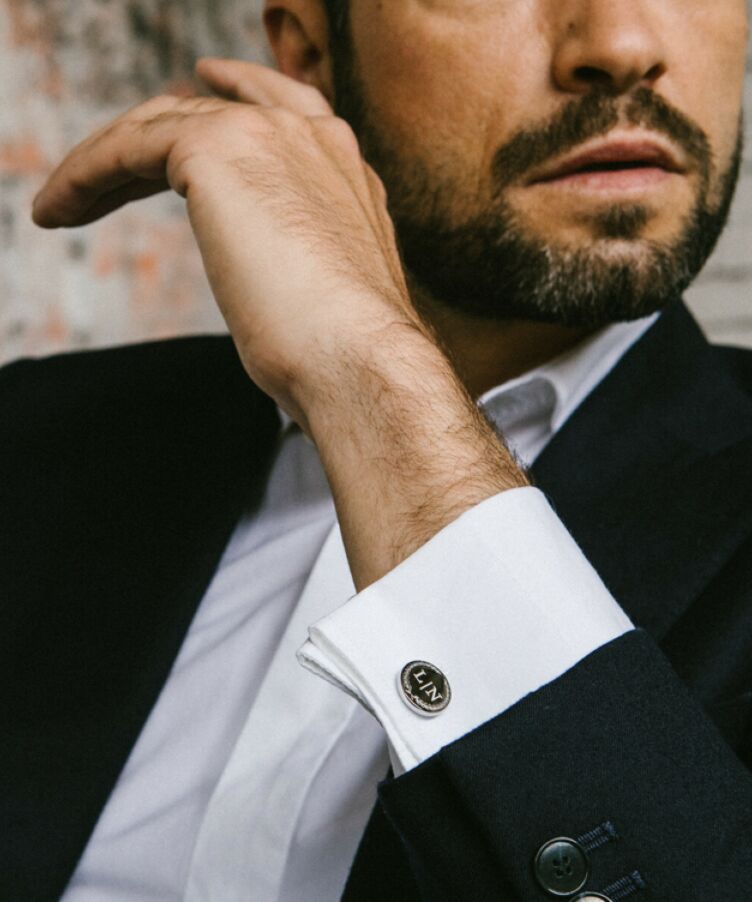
column 572, row 375
column 287, row 420
column 575, row 373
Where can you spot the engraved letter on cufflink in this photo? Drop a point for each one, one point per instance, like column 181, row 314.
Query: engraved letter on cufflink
column 424, row 688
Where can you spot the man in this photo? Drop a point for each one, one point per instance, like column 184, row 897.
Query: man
column 556, row 174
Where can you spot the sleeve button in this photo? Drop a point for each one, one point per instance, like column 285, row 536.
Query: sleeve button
column 424, row 688
column 561, row 867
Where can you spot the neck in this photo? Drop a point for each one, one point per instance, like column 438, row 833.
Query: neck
column 486, row 352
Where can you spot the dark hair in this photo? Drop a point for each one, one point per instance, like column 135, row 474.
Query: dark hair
column 339, row 16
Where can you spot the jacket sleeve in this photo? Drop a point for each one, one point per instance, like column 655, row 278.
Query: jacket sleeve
column 540, row 779
column 617, row 758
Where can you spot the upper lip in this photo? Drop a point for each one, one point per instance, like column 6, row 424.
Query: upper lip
column 643, row 150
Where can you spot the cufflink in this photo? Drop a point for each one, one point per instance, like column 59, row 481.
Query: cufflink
column 424, row 688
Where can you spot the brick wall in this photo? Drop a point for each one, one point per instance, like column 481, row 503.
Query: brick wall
column 67, row 66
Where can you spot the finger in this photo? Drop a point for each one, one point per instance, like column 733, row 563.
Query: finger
column 339, row 138
column 229, row 82
column 124, row 158
column 379, row 201
column 252, row 83
column 113, row 200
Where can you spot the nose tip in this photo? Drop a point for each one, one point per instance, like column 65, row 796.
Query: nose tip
column 614, row 79
column 613, row 46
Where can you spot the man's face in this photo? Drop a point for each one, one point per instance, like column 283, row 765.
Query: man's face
column 562, row 160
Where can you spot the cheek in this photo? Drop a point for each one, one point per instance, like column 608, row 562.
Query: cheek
column 710, row 79
column 440, row 88
column 417, row 88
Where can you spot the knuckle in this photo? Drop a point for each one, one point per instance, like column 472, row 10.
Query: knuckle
column 309, row 91
column 156, row 106
column 340, row 132
column 268, row 125
column 249, row 117
column 260, row 131
column 187, row 145
column 190, row 146
column 379, row 186
column 285, row 118
column 183, row 165
column 313, row 96
column 167, row 106
column 205, row 104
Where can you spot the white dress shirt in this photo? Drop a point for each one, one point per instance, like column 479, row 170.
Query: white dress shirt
column 252, row 778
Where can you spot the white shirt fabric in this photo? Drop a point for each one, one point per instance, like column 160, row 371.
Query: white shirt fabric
column 254, row 780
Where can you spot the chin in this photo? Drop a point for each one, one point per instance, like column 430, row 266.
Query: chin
column 632, row 252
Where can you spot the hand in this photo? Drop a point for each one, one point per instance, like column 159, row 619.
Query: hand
column 291, row 222
column 301, row 256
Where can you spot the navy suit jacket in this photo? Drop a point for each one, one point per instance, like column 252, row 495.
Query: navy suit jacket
column 122, row 476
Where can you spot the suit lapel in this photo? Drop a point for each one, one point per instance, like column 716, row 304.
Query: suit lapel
column 651, row 474
column 116, row 503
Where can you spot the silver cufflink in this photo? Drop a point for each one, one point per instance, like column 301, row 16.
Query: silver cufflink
column 424, row 688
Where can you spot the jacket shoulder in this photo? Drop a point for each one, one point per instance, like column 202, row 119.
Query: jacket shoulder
column 75, row 382
column 738, row 361
column 175, row 382
column 160, row 412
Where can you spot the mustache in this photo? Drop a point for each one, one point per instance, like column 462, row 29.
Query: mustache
column 591, row 116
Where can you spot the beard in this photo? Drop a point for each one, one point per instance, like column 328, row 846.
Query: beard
column 489, row 266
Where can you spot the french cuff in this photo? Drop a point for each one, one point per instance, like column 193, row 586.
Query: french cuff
column 497, row 604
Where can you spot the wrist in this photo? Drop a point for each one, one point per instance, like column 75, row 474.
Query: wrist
column 405, row 448
column 386, row 369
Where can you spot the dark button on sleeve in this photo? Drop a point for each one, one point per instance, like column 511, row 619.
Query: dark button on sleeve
column 561, row 866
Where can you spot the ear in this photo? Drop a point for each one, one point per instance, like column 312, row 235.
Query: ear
column 298, row 32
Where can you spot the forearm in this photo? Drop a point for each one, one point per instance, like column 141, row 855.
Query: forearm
column 405, row 448
column 308, row 276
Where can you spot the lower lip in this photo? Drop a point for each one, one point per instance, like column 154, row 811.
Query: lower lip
column 616, row 180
